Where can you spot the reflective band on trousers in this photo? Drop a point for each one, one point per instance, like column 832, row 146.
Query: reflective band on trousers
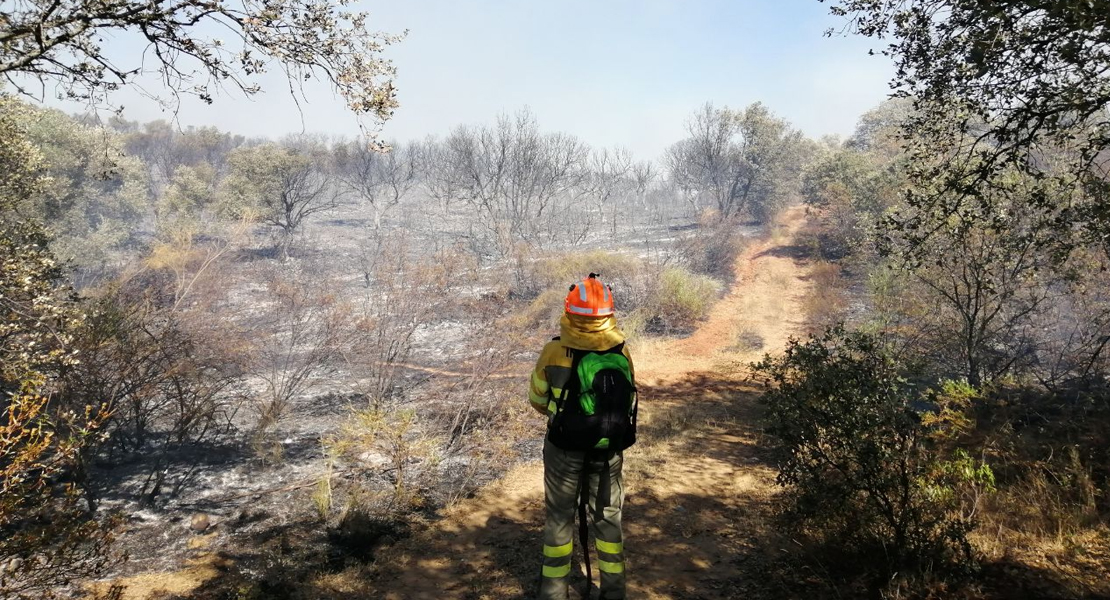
column 610, row 547
column 558, row 551
column 557, row 572
column 609, row 567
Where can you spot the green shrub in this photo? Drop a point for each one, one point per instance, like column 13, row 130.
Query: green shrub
column 533, row 275
column 681, row 298
column 861, row 474
column 648, row 296
column 545, row 280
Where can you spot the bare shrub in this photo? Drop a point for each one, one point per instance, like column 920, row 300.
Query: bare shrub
column 741, row 161
column 405, row 294
column 303, row 330
column 482, row 424
column 609, row 180
column 151, row 349
column 713, row 247
column 486, row 437
column 1074, row 350
column 169, row 389
column 381, row 178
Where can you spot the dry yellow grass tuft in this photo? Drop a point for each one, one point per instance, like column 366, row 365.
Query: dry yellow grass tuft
column 171, row 584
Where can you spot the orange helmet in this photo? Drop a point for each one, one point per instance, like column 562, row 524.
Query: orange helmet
column 590, row 298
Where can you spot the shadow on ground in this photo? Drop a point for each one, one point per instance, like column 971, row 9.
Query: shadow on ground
column 698, row 499
column 699, row 491
column 698, row 524
column 795, row 252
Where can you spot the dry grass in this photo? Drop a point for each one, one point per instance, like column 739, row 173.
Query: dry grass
column 1045, row 529
column 826, row 304
column 165, row 585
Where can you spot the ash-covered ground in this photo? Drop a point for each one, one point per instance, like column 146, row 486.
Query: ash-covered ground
column 244, row 492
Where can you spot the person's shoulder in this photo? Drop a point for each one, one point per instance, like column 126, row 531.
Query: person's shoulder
column 553, row 345
column 554, row 353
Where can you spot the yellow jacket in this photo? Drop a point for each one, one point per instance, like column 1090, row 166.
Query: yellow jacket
column 552, row 370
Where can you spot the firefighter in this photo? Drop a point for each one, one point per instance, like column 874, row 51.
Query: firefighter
column 585, row 385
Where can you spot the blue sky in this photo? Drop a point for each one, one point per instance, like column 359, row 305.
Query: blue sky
column 613, row 72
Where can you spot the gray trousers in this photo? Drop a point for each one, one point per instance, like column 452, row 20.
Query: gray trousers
column 562, row 474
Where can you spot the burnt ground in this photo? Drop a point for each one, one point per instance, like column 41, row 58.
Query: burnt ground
column 238, row 497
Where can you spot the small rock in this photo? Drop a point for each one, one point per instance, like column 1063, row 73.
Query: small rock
column 200, row 522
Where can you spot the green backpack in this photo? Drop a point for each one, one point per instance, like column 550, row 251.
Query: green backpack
column 598, row 408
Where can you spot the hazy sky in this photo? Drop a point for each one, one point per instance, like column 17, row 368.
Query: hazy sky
column 613, row 72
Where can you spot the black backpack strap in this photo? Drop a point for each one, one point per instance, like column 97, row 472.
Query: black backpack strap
column 573, row 386
column 604, row 483
column 595, row 459
column 583, row 529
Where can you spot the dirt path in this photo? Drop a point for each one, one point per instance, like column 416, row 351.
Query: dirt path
column 697, row 484
column 761, row 311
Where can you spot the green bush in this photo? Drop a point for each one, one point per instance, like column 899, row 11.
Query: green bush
column 545, row 280
column 533, row 275
column 648, row 296
column 861, row 473
column 680, row 299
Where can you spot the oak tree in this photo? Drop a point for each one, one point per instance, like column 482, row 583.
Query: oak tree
column 196, row 47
